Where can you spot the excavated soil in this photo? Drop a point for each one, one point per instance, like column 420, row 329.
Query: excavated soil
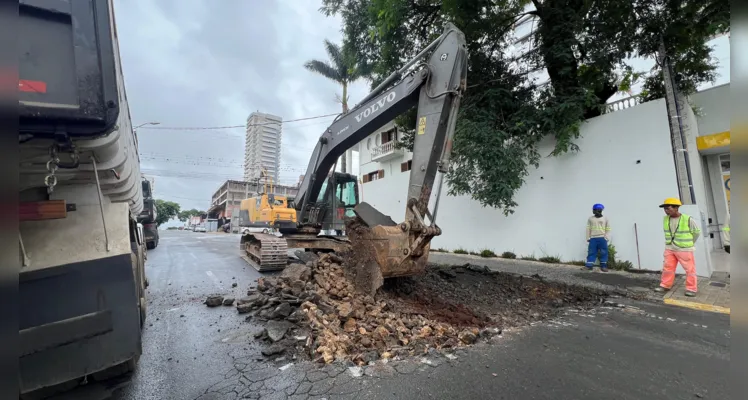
column 325, row 311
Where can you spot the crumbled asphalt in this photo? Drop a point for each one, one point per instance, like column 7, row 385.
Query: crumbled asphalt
column 638, row 285
column 629, row 350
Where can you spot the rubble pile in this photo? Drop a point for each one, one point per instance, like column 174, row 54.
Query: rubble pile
column 315, row 309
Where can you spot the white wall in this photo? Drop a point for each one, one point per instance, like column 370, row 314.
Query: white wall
column 557, row 197
column 715, row 109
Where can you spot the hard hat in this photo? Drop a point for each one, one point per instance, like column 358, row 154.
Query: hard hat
column 671, row 201
column 598, row 206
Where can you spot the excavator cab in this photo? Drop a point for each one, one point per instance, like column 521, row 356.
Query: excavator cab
column 333, row 206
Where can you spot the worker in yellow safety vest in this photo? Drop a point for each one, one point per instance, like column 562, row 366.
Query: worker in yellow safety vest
column 726, row 235
column 681, row 233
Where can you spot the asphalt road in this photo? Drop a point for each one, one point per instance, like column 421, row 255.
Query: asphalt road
column 194, row 352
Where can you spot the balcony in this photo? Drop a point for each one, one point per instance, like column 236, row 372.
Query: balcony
column 386, row 152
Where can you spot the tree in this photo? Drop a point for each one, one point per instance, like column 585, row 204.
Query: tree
column 165, row 210
column 187, row 214
column 342, row 68
column 682, row 27
column 584, row 46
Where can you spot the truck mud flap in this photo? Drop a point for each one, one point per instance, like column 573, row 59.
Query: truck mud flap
column 76, row 319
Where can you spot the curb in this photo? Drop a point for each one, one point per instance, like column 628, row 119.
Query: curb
column 697, row 306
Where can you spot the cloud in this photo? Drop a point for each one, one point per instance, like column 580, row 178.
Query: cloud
column 199, row 63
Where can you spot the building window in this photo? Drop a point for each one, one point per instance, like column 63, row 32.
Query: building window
column 368, row 144
column 373, row 176
column 406, row 166
column 389, row 136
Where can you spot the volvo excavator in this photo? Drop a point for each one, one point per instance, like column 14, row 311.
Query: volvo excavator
column 435, row 81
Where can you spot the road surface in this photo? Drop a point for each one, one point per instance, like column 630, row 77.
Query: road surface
column 194, row 352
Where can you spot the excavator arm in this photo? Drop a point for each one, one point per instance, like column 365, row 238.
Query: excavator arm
column 436, row 87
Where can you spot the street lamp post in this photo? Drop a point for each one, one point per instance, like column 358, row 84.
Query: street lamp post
column 147, row 123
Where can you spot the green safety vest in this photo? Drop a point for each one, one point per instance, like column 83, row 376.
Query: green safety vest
column 726, row 228
column 683, row 237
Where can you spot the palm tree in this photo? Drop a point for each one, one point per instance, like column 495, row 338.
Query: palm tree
column 343, row 69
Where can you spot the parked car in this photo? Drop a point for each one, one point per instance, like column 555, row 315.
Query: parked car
column 200, row 229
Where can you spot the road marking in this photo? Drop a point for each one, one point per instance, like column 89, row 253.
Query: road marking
column 697, row 306
column 213, row 278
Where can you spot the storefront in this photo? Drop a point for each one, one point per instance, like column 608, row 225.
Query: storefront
column 715, row 152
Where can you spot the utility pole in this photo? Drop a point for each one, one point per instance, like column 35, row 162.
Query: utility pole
column 675, row 103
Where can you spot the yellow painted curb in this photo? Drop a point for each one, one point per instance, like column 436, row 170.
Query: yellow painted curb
column 697, row 306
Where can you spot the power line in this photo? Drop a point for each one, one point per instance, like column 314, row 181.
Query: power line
column 198, row 128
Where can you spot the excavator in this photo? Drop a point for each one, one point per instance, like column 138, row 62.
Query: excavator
column 435, row 81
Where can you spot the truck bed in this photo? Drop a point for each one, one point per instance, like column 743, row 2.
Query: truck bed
column 72, row 99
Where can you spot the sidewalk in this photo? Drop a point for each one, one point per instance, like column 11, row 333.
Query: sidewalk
column 714, row 294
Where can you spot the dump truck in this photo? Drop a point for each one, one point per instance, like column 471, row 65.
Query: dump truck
column 434, row 82
column 82, row 279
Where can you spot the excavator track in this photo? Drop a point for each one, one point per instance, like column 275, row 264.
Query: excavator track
column 265, row 252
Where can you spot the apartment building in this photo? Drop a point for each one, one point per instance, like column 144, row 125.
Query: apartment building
column 262, row 146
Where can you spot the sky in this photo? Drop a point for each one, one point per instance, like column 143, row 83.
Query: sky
column 192, row 63
column 199, row 63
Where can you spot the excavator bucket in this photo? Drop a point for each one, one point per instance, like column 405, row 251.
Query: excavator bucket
column 381, row 248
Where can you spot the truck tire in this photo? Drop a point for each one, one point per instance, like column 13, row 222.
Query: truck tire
column 143, row 313
column 150, row 245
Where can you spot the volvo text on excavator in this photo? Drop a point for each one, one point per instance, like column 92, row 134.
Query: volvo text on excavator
column 435, row 81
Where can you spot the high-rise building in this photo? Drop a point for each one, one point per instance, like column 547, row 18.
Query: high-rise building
column 262, row 146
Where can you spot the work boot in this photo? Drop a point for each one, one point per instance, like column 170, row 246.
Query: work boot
column 690, row 293
column 604, row 268
column 661, row 289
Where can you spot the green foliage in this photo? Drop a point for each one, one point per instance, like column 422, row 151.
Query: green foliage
column 343, row 68
column 580, row 263
column 473, row 253
column 487, row 253
column 615, row 263
column 508, row 254
column 683, row 26
column 529, row 258
column 583, row 45
column 187, row 214
column 550, row 259
column 439, row 250
column 460, row 251
column 166, row 210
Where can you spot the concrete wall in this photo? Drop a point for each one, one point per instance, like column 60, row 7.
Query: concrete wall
column 625, row 162
column 714, row 105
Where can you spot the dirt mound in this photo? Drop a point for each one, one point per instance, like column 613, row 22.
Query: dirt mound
column 444, row 308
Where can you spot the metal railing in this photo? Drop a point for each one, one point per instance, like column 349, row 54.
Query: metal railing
column 623, row 104
column 383, row 149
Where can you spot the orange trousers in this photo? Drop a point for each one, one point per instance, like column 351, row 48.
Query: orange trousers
column 686, row 260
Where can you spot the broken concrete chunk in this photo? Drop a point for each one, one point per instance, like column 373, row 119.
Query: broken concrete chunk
column 297, row 272
column 282, row 311
column 276, row 330
column 228, row 301
column 306, row 256
column 350, row 325
column 467, row 337
column 214, row 301
column 243, row 308
column 273, row 350
column 345, row 309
